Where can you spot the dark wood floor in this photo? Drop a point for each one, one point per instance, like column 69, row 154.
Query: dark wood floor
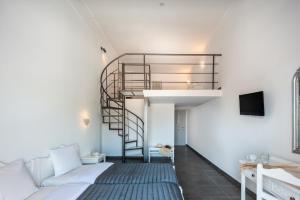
column 200, row 180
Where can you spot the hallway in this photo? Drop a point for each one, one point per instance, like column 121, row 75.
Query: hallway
column 200, row 181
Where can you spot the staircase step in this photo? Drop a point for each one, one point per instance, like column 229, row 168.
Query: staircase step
column 115, row 99
column 122, row 135
column 112, row 122
column 130, row 141
column 113, row 108
column 134, row 148
column 116, row 129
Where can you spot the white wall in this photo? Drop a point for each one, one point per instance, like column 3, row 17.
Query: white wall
column 161, row 124
column 260, row 44
column 49, row 73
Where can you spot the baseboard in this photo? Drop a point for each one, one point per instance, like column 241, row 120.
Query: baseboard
column 127, row 157
column 232, row 180
column 113, row 157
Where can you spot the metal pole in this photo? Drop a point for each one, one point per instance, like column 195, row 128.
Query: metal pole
column 106, row 86
column 114, row 85
column 145, row 82
column 123, row 114
column 137, row 131
column 149, row 77
column 124, row 130
column 213, row 73
column 123, row 76
column 118, row 80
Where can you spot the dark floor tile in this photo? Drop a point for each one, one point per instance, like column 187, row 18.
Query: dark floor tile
column 231, row 191
column 221, row 180
column 200, row 180
column 212, row 172
column 207, row 191
column 239, row 198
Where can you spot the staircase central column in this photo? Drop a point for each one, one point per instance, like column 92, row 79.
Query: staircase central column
column 123, row 115
column 124, row 129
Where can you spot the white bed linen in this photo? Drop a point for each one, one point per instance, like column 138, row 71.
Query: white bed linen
column 64, row 159
column 83, row 174
column 63, row 192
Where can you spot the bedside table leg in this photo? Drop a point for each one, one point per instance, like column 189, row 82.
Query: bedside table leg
column 243, row 186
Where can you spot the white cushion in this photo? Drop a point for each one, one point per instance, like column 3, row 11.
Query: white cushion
column 84, row 174
column 40, row 169
column 16, row 182
column 75, row 145
column 64, row 159
column 2, row 164
column 63, row 192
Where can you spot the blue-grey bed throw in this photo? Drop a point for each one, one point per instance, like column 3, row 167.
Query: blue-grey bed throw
column 150, row 191
column 138, row 173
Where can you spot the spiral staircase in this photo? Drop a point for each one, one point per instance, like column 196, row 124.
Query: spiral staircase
column 114, row 93
column 128, row 75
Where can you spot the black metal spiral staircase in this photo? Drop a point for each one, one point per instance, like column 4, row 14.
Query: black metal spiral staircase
column 127, row 124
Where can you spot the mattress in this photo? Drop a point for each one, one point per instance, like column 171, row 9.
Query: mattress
column 138, row 173
column 150, row 191
column 84, row 174
column 63, row 192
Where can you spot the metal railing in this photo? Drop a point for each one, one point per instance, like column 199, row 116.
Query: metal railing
column 137, row 71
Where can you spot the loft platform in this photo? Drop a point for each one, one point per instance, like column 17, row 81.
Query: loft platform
column 182, row 97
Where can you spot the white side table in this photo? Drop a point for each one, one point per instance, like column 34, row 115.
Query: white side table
column 93, row 159
column 155, row 151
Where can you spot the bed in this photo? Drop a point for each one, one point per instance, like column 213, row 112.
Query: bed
column 138, row 173
column 109, row 173
column 62, row 192
column 103, row 181
column 84, row 174
column 149, row 191
column 12, row 173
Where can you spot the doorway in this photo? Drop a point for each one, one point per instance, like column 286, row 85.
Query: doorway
column 180, row 127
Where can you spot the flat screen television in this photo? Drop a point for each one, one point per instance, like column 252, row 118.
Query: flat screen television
column 252, row 104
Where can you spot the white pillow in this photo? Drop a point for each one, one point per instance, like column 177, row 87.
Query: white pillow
column 64, row 159
column 40, row 169
column 2, row 164
column 15, row 181
column 75, row 146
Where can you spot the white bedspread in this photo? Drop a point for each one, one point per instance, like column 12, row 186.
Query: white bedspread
column 63, row 192
column 84, row 174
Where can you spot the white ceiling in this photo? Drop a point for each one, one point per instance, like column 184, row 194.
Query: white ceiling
column 180, row 26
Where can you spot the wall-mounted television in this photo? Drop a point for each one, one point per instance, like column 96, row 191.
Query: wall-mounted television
column 252, row 104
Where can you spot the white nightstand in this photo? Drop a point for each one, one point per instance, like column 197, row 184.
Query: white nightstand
column 155, row 151
column 93, row 159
